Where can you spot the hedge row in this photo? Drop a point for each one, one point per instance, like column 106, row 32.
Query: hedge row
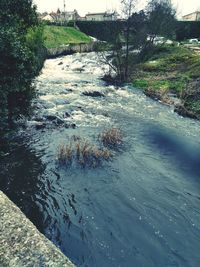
column 102, row 30
column 107, row 30
column 187, row 30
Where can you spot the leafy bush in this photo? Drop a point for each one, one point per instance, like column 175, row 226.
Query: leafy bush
column 140, row 83
column 102, row 30
column 22, row 56
column 187, row 30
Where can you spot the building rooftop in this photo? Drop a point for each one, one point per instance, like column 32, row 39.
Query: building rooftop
column 195, row 12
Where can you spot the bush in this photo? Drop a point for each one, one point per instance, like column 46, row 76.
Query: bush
column 102, row 30
column 21, row 58
column 187, row 30
column 112, row 138
column 83, row 153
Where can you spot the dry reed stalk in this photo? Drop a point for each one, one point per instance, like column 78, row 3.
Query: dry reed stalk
column 112, row 137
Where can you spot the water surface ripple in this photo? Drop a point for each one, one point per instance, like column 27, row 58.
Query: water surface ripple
column 140, row 209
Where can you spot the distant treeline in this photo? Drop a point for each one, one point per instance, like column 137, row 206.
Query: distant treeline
column 102, row 30
column 107, row 30
column 187, row 30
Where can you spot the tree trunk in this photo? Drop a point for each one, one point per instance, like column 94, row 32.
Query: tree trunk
column 126, row 74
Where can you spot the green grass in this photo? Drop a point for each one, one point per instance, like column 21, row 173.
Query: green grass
column 171, row 69
column 140, row 83
column 168, row 68
column 175, row 86
column 194, row 106
column 56, row 36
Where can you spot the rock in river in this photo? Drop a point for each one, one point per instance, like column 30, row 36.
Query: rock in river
column 93, row 94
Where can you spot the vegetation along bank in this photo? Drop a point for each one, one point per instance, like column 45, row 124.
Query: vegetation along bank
column 22, row 55
column 146, row 53
column 55, row 36
column 172, row 71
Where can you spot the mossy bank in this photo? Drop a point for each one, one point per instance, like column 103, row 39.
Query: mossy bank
column 55, row 36
column 61, row 41
column 172, row 71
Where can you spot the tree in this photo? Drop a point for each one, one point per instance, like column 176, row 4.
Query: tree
column 18, row 13
column 128, row 7
column 161, row 19
column 124, row 53
column 21, row 57
column 129, row 39
column 136, row 40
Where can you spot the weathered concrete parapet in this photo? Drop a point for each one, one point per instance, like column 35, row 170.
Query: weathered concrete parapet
column 21, row 244
column 70, row 49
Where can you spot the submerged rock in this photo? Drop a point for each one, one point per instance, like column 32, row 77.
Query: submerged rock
column 67, row 115
column 55, row 119
column 80, row 108
column 44, row 104
column 70, row 125
column 38, row 119
column 61, row 102
column 69, row 90
column 93, row 94
column 59, row 121
column 81, row 69
column 40, row 125
column 73, row 125
column 51, row 117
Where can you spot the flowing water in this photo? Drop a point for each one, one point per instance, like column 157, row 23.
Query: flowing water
column 142, row 208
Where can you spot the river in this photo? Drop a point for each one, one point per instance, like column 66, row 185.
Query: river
column 142, row 208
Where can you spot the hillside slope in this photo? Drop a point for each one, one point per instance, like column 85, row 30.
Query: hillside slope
column 56, row 36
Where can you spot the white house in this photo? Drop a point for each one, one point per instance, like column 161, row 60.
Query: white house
column 195, row 16
column 69, row 15
column 48, row 17
column 104, row 16
column 60, row 17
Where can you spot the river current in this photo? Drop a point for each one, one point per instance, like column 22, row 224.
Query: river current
column 142, row 208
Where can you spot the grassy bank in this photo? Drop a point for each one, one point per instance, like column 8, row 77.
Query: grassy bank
column 172, row 70
column 56, row 36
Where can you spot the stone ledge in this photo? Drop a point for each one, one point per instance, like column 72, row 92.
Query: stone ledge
column 71, row 49
column 21, row 244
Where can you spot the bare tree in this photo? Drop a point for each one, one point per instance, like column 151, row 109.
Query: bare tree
column 125, row 46
column 128, row 7
column 114, row 59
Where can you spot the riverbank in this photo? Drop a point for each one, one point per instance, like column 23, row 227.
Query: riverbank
column 62, row 41
column 56, row 36
column 170, row 73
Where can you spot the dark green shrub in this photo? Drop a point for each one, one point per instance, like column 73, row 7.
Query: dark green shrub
column 102, row 30
column 22, row 57
column 187, row 30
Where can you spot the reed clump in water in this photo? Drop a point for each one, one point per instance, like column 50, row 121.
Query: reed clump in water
column 112, row 138
column 83, row 153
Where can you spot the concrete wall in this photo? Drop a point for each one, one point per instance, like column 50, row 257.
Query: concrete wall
column 21, row 244
column 70, row 49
